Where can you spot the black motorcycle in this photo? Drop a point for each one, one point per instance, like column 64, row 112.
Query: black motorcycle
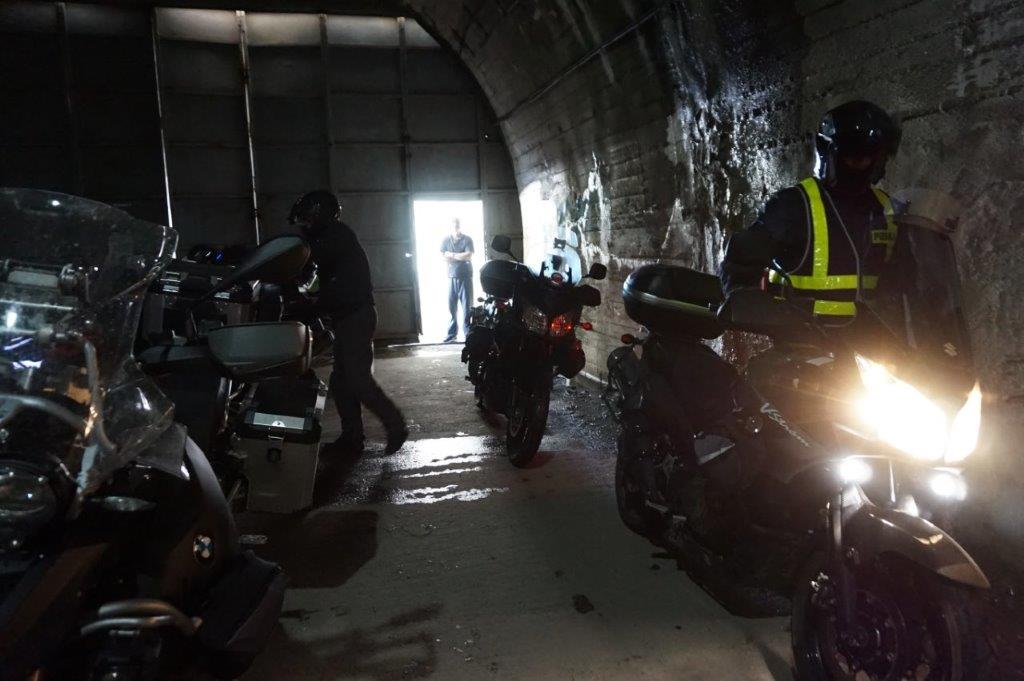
column 221, row 406
column 825, row 480
column 119, row 557
column 525, row 334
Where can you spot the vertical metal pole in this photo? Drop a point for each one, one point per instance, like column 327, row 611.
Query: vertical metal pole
column 407, row 170
column 69, row 100
column 481, row 175
column 325, row 57
column 243, row 47
column 155, row 33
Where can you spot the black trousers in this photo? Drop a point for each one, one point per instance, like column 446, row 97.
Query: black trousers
column 352, row 382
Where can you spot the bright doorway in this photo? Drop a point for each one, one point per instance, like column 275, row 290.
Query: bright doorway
column 433, row 221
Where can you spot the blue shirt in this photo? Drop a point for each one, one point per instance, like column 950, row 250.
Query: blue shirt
column 460, row 269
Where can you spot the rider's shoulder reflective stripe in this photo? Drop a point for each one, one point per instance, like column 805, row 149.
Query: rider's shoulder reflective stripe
column 890, row 221
column 819, row 226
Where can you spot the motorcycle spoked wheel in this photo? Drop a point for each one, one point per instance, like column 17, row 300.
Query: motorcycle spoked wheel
column 910, row 626
column 631, row 493
column 527, row 419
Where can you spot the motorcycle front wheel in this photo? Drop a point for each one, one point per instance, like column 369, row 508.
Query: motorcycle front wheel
column 527, row 419
column 909, row 625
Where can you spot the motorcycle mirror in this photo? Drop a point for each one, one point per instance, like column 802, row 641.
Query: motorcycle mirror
column 597, row 272
column 589, row 296
column 276, row 261
column 502, row 244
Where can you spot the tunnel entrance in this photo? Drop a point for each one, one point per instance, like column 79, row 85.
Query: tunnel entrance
column 433, row 220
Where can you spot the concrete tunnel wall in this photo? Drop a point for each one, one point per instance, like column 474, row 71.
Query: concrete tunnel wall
column 674, row 135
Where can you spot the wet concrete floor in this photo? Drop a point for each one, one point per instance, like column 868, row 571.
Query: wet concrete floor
column 444, row 561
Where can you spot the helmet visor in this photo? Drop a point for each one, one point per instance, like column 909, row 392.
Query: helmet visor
column 862, row 141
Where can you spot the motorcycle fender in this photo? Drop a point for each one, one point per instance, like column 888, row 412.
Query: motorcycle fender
column 570, row 360
column 203, row 540
column 873, row 530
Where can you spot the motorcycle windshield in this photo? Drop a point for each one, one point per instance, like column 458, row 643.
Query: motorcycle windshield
column 73, row 275
column 920, row 300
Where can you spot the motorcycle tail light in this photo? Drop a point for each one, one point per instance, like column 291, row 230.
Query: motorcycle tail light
column 560, row 326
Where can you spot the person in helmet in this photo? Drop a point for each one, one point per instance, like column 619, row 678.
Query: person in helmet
column 346, row 295
column 831, row 233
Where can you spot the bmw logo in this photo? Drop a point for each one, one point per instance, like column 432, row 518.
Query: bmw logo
column 202, row 548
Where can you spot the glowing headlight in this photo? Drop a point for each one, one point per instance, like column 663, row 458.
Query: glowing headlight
column 963, row 435
column 535, row 320
column 854, row 470
column 901, row 416
column 948, row 485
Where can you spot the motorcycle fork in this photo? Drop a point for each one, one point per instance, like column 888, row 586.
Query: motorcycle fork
column 839, row 558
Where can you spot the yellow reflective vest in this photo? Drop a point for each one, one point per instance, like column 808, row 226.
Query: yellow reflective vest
column 828, row 273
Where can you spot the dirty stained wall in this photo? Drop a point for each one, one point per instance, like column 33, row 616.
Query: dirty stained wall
column 657, row 145
column 651, row 148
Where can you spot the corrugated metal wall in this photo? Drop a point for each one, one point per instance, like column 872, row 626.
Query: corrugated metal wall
column 256, row 109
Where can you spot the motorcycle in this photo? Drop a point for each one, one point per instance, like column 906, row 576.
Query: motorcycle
column 119, row 557
column 222, row 408
column 525, row 334
column 826, row 484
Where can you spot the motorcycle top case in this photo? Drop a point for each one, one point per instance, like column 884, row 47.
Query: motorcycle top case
column 498, row 278
column 674, row 301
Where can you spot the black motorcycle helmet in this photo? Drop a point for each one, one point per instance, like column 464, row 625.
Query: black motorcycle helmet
column 314, row 211
column 856, row 129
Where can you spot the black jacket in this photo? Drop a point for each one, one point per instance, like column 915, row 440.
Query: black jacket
column 786, row 220
column 344, row 271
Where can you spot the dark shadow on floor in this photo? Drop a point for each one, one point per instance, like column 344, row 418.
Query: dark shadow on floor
column 403, row 647
column 320, row 549
column 336, row 477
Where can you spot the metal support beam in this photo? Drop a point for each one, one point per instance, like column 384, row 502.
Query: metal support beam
column 155, row 33
column 69, row 100
column 325, row 57
column 243, row 48
column 403, row 66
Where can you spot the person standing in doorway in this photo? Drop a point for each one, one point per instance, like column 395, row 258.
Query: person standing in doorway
column 457, row 249
column 346, row 294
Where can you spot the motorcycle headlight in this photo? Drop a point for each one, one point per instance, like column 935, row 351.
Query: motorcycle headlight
column 963, row 434
column 535, row 320
column 898, row 414
column 27, row 504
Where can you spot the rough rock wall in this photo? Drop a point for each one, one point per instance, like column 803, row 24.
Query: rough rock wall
column 651, row 148
column 953, row 71
column 660, row 143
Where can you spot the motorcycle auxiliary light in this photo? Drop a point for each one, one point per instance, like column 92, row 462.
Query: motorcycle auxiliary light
column 854, row 470
column 948, row 485
column 899, row 415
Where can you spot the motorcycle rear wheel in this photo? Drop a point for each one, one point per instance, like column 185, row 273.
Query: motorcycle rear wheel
column 910, row 624
column 527, row 420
